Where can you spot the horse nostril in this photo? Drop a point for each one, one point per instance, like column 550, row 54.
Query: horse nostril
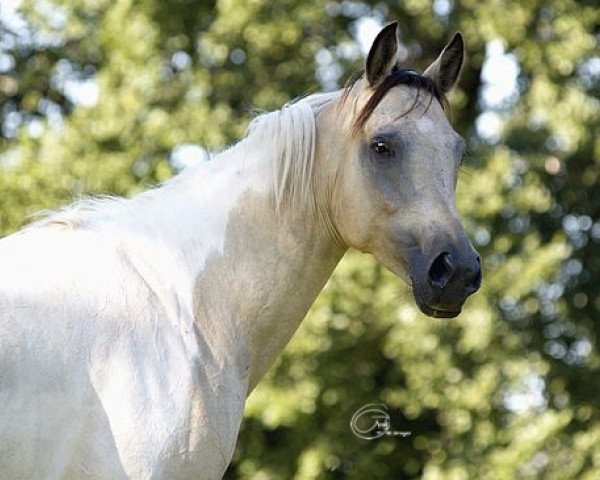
column 475, row 282
column 441, row 270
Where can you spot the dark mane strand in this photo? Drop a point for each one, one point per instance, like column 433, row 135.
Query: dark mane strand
column 355, row 77
column 398, row 76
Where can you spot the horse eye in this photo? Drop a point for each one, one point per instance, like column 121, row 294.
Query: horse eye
column 381, row 148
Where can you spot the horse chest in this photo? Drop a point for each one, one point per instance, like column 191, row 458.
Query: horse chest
column 179, row 424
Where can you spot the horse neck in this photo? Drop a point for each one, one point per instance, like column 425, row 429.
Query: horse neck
column 251, row 298
column 254, row 269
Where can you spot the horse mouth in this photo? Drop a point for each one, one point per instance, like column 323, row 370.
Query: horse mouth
column 430, row 311
column 436, row 313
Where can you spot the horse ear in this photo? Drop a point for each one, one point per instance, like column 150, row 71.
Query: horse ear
column 383, row 54
column 445, row 69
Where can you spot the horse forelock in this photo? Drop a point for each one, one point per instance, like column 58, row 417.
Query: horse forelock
column 397, row 77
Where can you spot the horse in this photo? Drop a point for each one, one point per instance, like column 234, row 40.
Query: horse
column 132, row 330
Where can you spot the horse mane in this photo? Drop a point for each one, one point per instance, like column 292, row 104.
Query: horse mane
column 289, row 135
column 285, row 139
column 76, row 214
column 291, row 131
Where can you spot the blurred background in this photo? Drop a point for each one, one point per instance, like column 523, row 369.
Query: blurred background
column 112, row 96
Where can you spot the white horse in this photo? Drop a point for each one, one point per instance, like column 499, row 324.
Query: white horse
column 132, row 331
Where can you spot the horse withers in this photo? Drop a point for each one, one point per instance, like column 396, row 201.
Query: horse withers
column 132, row 330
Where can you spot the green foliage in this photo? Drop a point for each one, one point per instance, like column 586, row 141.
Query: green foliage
column 507, row 390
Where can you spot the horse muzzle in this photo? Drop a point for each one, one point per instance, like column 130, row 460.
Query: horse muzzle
column 443, row 281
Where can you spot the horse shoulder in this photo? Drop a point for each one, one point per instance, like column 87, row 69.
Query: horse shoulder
column 117, row 361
